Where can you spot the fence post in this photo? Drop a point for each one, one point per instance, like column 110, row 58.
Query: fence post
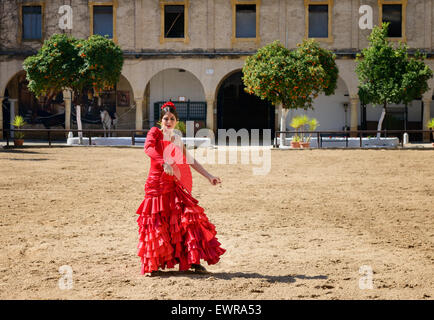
column 49, row 137
column 7, row 138
column 133, row 140
column 188, row 109
column 90, row 138
column 360, row 136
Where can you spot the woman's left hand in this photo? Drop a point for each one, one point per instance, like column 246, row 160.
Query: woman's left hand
column 214, row 180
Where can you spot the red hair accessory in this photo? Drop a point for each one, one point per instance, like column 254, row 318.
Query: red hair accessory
column 168, row 104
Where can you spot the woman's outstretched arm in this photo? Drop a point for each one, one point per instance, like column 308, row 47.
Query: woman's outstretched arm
column 199, row 168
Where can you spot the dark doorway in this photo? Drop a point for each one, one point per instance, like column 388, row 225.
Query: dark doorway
column 237, row 109
column 6, row 106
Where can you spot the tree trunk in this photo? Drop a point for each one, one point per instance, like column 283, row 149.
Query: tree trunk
column 78, row 102
column 79, row 126
column 284, row 113
column 380, row 122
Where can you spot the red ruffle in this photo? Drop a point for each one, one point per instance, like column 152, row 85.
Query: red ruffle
column 174, row 229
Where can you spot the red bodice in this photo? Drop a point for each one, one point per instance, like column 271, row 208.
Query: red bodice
column 158, row 182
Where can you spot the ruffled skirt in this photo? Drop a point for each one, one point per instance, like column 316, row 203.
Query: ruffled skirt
column 174, row 229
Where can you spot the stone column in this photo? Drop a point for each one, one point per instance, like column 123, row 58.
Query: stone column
column 1, row 117
column 12, row 112
column 210, row 116
column 354, row 105
column 426, row 117
column 67, row 99
column 139, row 113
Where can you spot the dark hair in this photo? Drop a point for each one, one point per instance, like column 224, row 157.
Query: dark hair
column 167, row 109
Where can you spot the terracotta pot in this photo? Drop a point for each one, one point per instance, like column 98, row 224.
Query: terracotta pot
column 295, row 144
column 305, row 144
column 18, row 142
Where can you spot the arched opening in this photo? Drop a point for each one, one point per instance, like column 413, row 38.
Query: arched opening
column 49, row 111
column 181, row 87
column 117, row 101
column 237, row 109
column 332, row 112
column 398, row 117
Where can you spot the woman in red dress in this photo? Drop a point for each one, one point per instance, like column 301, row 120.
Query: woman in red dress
column 173, row 228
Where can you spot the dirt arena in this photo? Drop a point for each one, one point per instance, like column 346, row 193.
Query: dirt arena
column 301, row 232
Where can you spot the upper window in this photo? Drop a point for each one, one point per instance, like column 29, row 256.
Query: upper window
column 174, row 21
column 31, row 22
column 245, row 21
column 103, row 19
column 319, row 20
column 394, row 13
column 245, row 15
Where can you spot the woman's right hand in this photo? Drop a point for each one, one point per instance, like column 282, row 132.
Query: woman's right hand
column 168, row 169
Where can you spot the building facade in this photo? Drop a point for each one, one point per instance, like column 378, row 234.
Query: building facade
column 192, row 52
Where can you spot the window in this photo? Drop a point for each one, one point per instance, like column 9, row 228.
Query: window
column 174, row 21
column 319, row 20
column 393, row 12
column 103, row 19
column 31, row 22
column 245, row 24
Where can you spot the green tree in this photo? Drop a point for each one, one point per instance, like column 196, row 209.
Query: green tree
column 291, row 79
column 65, row 62
column 388, row 75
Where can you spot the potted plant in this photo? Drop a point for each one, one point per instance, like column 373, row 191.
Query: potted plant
column 18, row 136
column 304, row 123
column 430, row 125
column 311, row 125
column 295, row 142
column 297, row 122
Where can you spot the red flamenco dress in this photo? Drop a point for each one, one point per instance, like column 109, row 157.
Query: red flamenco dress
column 173, row 228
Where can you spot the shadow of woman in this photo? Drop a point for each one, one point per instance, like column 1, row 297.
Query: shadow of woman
column 233, row 275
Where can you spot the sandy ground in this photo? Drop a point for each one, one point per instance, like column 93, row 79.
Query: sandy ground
column 300, row 232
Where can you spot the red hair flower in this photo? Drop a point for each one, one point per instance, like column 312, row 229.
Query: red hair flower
column 168, row 104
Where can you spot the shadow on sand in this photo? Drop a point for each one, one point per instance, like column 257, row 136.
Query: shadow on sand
column 233, row 275
column 17, row 150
